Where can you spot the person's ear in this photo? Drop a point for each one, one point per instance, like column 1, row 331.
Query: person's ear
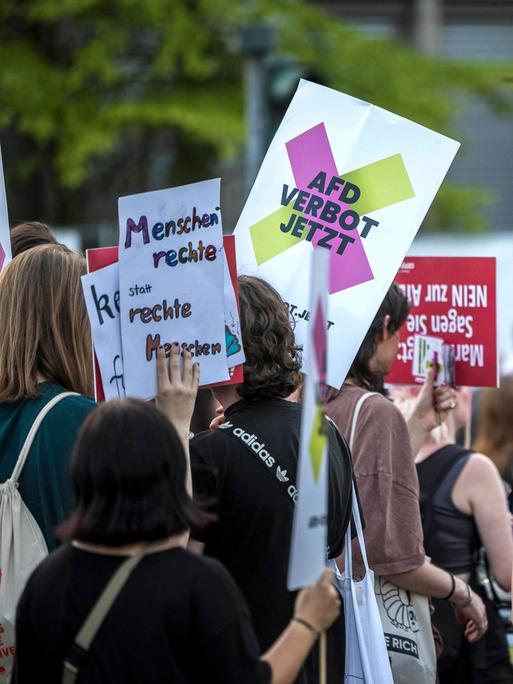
column 385, row 334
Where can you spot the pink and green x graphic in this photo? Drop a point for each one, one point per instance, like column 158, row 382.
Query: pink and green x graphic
column 382, row 183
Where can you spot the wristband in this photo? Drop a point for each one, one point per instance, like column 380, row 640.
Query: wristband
column 466, row 602
column 453, row 588
column 307, row 625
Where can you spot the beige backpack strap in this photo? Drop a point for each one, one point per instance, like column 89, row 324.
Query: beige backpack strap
column 94, row 620
column 32, row 433
column 356, row 413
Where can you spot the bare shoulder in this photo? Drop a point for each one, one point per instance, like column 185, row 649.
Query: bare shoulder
column 478, row 485
column 481, row 472
column 481, row 465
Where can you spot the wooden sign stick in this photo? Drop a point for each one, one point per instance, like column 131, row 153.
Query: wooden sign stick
column 323, row 678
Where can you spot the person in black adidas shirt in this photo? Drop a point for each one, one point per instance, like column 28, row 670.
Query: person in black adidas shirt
column 247, row 469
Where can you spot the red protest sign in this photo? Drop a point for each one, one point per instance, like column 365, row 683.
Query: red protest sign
column 99, row 257
column 452, row 298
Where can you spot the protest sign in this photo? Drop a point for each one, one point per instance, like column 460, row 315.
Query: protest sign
column 309, row 531
column 101, row 293
column 353, row 179
column 5, row 236
column 428, row 351
column 99, row 257
column 234, row 350
column 171, row 275
column 452, row 298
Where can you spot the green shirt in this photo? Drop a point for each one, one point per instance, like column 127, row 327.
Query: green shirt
column 45, row 482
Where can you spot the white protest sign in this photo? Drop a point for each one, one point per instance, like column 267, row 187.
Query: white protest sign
column 353, row 179
column 171, row 276
column 101, row 293
column 309, row 531
column 234, row 349
column 5, row 236
column 426, row 350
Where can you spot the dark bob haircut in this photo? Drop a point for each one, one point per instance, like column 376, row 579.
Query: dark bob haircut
column 396, row 305
column 273, row 360
column 129, row 470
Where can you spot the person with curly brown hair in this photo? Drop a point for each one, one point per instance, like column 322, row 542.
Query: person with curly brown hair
column 247, row 468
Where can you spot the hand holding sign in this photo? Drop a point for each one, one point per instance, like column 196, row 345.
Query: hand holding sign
column 319, row 605
column 177, row 389
column 431, row 408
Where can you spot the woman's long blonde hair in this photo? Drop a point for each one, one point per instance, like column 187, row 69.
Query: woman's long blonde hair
column 43, row 323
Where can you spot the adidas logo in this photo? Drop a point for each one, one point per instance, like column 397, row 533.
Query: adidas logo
column 281, row 474
column 251, row 441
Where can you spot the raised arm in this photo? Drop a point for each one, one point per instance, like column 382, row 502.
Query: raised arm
column 177, row 395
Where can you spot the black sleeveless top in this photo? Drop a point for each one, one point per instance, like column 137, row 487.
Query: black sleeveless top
column 451, row 538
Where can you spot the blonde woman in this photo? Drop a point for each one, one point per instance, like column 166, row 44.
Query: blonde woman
column 45, row 350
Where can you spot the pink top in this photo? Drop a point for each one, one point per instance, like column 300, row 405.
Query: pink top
column 387, row 482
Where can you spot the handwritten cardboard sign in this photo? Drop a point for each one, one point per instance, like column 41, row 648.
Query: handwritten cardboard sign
column 101, row 293
column 452, row 298
column 5, row 236
column 99, row 257
column 171, row 275
column 309, row 532
column 350, row 178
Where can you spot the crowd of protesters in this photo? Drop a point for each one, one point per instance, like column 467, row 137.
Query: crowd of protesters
column 191, row 535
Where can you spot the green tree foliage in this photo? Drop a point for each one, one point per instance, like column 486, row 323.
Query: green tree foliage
column 78, row 78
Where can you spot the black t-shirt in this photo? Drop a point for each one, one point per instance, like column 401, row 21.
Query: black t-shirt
column 178, row 619
column 254, row 509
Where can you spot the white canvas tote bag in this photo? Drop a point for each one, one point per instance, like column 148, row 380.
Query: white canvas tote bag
column 22, row 546
column 367, row 659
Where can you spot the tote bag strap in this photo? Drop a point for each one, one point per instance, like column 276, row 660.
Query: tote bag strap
column 356, row 413
column 32, row 433
column 94, row 620
column 348, row 571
